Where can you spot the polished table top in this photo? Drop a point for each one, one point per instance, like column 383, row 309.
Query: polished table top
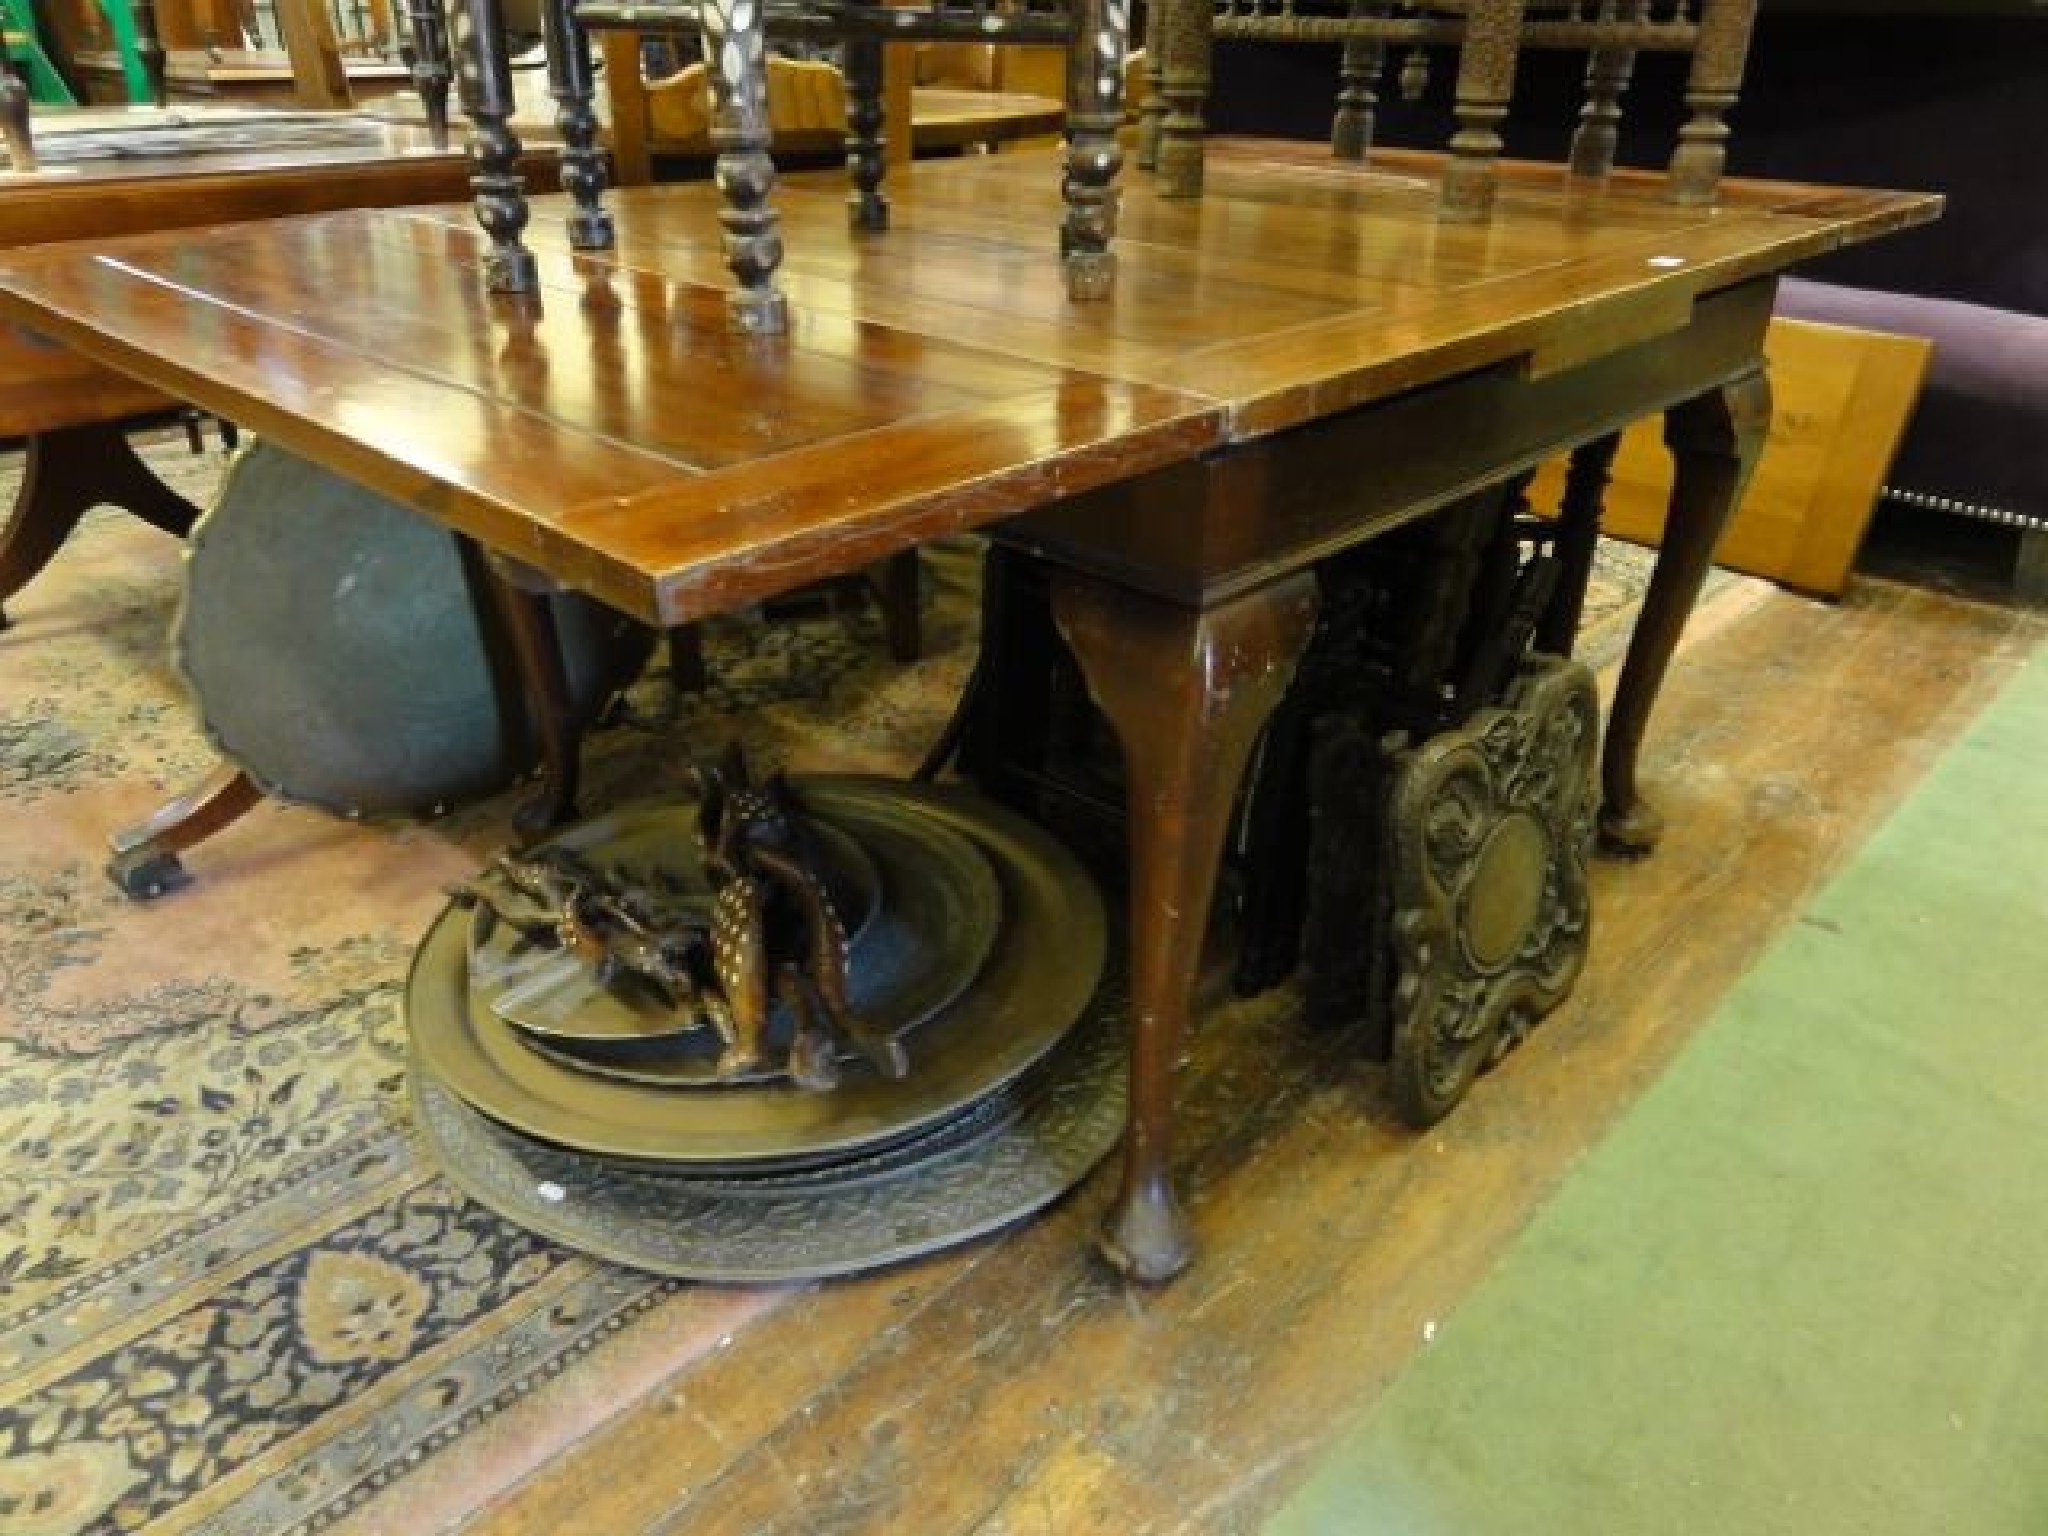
column 614, row 432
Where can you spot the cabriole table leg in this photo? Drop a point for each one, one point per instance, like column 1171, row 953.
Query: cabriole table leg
column 1714, row 439
column 1187, row 692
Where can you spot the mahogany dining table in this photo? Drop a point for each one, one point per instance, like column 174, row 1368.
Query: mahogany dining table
column 1301, row 360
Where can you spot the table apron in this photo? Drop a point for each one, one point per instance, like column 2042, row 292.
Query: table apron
column 1199, row 532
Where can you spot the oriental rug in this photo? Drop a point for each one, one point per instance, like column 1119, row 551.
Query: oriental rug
column 234, row 1296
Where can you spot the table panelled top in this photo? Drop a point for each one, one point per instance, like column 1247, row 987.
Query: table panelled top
column 614, row 432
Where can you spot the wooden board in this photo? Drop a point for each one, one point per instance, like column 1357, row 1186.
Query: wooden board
column 1843, row 398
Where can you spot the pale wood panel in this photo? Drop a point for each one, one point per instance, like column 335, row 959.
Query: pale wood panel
column 1843, row 398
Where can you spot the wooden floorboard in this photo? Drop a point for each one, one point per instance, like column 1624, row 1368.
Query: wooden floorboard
column 1016, row 1388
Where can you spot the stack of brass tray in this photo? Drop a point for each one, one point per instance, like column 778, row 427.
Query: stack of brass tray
column 588, row 1112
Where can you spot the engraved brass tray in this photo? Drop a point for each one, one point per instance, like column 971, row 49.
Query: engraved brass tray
column 1034, row 982
column 1011, row 1154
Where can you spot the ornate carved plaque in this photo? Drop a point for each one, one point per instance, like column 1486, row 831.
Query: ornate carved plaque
column 1488, row 836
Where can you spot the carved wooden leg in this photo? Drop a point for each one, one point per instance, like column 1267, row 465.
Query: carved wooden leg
column 484, row 75
column 583, row 166
column 145, row 862
column 68, row 472
column 1152, row 110
column 736, row 51
column 1095, row 112
column 1578, row 532
column 1714, row 440
column 1187, row 692
column 1599, row 132
column 14, row 123
column 426, row 57
column 1187, row 38
column 519, row 596
column 1486, row 78
column 1358, row 91
column 866, row 149
column 1711, row 90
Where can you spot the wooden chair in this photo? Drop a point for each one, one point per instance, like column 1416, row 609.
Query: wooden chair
column 734, row 34
column 1489, row 36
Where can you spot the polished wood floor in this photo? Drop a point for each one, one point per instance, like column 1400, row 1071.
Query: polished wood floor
column 1018, row 1388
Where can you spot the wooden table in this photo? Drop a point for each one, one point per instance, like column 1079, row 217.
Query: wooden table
column 69, row 407
column 1297, row 362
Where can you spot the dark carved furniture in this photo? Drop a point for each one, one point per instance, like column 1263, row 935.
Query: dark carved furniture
column 734, row 35
column 1267, row 386
column 1489, row 36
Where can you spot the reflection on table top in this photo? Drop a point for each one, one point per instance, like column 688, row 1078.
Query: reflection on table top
column 614, row 431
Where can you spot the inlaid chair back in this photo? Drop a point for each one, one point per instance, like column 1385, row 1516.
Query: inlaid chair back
column 1489, row 37
column 734, row 36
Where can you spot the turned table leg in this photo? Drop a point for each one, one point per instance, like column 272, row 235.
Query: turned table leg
column 145, row 856
column 69, row 472
column 1187, row 692
column 1714, row 440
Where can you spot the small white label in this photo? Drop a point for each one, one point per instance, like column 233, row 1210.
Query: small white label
column 1667, row 261
column 551, row 1192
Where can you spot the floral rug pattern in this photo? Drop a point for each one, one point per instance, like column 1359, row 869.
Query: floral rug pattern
column 234, row 1297
column 233, row 1294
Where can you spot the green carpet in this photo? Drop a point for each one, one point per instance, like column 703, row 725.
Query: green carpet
column 1803, row 1286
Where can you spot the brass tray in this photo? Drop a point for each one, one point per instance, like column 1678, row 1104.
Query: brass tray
column 1038, row 976
column 1002, row 1159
